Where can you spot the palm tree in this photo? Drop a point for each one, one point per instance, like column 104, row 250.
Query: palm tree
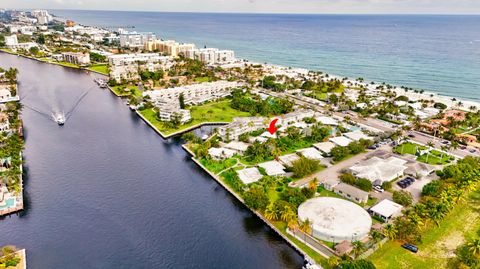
column 474, row 246
column 271, row 212
column 313, row 184
column 390, row 231
column 376, row 235
column 358, row 248
column 287, row 214
column 430, row 146
column 333, row 261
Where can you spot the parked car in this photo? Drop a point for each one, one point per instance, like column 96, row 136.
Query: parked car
column 378, row 189
column 472, row 151
column 410, row 247
column 411, row 135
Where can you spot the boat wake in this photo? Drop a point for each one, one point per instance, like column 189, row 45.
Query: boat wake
column 59, row 117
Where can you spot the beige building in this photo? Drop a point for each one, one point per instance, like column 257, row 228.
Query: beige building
column 168, row 47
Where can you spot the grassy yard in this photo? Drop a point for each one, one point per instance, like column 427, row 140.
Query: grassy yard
column 218, row 166
column 435, row 157
column 408, row 148
column 122, row 91
column 439, row 243
column 202, row 79
column 210, row 112
column 101, row 68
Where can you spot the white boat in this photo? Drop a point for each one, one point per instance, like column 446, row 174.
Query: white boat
column 59, row 118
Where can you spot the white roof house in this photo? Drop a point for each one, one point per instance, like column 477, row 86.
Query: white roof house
column 356, row 135
column 268, row 135
column 379, row 170
column 340, row 141
column 386, row 209
column 273, row 168
column 249, row 175
column 327, row 120
column 220, row 153
column 238, row 146
column 311, row 153
column 288, row 159
column 325, row 147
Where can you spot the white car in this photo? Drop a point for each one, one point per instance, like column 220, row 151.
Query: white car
column 378, row 189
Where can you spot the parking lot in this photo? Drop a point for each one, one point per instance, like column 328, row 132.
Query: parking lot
column 416, row 187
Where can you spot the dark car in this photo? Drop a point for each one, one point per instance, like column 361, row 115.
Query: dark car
column 410, row 247
column 411, row 135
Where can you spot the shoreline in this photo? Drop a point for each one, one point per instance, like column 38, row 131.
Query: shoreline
column 240, row 199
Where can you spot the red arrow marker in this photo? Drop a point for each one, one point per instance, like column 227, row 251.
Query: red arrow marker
column 271, row 128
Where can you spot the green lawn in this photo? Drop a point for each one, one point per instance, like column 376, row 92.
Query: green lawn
column 210, row 112
column 435, row 157
column 101, row 68
column 121, row 90
column 408, row 148
column 218, row 166
column 202, row 79
column 439, row 243
column 67, row 64
column 282, row 226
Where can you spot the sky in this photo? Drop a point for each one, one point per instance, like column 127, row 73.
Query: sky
column 261, row 6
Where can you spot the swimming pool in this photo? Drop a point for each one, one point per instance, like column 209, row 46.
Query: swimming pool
column 9, row 203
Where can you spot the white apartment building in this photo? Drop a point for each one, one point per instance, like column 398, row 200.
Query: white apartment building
column 194, row 94
column 296, row 116
column 77, row 58
column 169, row 110
column 11, row 41
column 168, row 47
column 239, row 126
column 42, row 16
column 211, row 55
column 135, row 40
column 126, row 66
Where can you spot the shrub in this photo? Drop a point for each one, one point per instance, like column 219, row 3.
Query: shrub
column 402, row 197
column 304, row 166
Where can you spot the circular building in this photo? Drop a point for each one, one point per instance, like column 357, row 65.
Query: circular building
column 335, row 219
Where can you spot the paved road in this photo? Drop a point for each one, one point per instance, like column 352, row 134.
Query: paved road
column 425, row 139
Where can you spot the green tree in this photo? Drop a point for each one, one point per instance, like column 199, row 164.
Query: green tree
column 402, row 197
column 256, row 198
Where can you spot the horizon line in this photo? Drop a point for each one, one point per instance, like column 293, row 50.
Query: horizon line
column 260, row 13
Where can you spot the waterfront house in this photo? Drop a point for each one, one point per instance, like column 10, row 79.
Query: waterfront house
column 249, row 175
column 273, row 168
column 237, row 146
column 220, row 153
column 77, row 58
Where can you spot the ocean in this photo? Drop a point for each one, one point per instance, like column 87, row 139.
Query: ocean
column 435, row 53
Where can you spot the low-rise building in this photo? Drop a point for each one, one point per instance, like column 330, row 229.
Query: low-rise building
column 357, row 136
column 350, row 192
column 168, row 111
column 386, row 210
column 237, row 146
column 288, row 159
column 78, row 58
column 249, row 175
column 220, row 153
column 135, row 40
column 341, row 141
column 379, row 170
column 311, row 153
column 194, row 94
column 239, row 126
column 126, row 66
column 273, row 168
column 325, row 147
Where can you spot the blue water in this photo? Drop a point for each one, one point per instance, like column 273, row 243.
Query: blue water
column 436, row 53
